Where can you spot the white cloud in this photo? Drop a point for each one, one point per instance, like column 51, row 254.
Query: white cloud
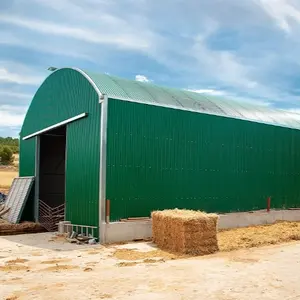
column 141, row 78
column 282, row 11
column 123, row 37
column 254, row 101
column 42, row 44
column 23, row 78
column 15, row 94
column 232, row 96
column 11, row 116
column 232, row 48
column 293, row 110
column 221, row 64
column 208, row 91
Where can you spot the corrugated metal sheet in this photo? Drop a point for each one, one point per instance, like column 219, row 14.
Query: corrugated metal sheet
column 164, row 158
column 147, row 93
column 82, row 171
column 65, row 94
column 17, row 198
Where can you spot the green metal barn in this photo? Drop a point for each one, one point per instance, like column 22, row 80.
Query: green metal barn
column 91, row 137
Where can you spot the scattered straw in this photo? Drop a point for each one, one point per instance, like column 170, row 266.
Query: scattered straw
column 58, row 238
column 105, row 296
column 152, row 261
column 93, row 252
column 58, row 268
column 17, row 261
column 243, row 259
column 145, row 261
column 87, row 269
column 131, row 254
column 127, row 264
column 13, row 297
column 54, row 261
column 15, row 278
column 241, row 238
column 36, row 254
column 13, row 268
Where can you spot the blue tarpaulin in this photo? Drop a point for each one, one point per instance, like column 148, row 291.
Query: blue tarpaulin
column 2, row 197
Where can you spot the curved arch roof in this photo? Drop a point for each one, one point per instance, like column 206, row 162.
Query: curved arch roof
column 147, row 93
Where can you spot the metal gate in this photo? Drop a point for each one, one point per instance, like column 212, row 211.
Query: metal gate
column 49, row 217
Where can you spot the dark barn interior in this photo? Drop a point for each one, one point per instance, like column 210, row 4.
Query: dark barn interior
column 52, row 167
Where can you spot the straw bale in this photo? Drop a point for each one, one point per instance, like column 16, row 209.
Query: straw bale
column 185, row 231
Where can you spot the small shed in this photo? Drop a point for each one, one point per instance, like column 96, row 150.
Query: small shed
column 92, row 137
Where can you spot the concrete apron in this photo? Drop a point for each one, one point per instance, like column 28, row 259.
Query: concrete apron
column 129, row 231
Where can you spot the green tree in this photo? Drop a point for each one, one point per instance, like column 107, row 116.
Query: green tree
column 6, row 156
column 10, row 142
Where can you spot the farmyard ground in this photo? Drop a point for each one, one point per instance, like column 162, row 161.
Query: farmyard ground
column 43, row 266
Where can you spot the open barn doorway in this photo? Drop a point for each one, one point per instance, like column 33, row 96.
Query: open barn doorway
column 51, row 178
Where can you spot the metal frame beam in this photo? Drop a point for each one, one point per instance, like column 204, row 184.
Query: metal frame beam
column 80, row 116
column 102, row 186
column 37, row 178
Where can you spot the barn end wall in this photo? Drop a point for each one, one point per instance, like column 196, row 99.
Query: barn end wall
column 64, row 94
column 161, row 158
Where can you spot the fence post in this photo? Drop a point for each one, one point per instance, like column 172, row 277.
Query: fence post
column 268, row 204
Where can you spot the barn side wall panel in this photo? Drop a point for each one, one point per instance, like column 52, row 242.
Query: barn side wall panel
column 161, row 158
column 27, row 168
column 65, row 94
column 27, row 157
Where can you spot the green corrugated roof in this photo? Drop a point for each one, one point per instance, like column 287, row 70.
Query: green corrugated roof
column 131, row 90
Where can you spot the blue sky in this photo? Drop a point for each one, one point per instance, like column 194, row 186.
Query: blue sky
column 242, row 49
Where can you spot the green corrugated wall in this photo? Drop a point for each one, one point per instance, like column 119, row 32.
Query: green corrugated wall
column 27, row 168
column 164, row 158
column 27, row 157
column 65, row 94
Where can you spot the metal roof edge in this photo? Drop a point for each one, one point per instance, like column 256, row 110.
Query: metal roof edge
column 90, row 80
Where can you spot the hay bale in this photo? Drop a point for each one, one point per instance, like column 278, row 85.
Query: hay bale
column 185, row 231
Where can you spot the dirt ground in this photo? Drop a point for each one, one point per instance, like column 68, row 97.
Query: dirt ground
column 44, row 266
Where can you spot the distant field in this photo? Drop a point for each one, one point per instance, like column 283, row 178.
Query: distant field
column 6, row 178
column 8, row 174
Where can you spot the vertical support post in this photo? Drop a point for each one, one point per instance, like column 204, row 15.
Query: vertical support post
column 20, row 153
column 65, row 167
column 268, row 204
column 37, row 178
column 107, row 219
column 102, row 187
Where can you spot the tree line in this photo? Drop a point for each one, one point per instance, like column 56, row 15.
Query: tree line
column 8, row 147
